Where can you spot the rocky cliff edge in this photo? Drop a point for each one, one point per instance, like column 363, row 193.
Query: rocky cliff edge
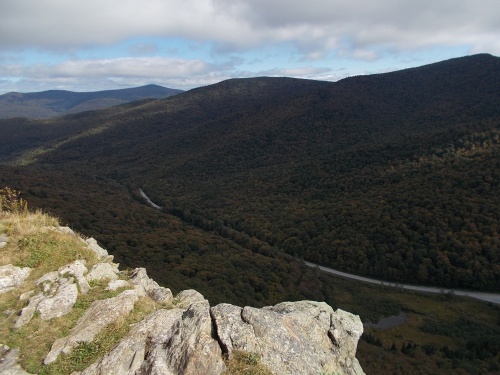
column 81, row 315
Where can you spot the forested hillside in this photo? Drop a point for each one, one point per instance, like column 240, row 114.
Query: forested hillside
column 394, row 175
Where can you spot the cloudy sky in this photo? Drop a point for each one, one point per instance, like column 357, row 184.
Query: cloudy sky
column 88, row 45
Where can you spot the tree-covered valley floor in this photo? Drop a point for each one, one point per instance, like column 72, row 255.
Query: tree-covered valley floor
column 393, row 176
column 443, row 334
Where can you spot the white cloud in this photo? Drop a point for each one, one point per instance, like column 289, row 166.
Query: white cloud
column 120, row 67
column 248, row 23
column 215, row 39
column 175, row 73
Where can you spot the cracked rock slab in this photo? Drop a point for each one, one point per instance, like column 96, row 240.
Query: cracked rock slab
column 8, row 361
column 293, row 337
column 103, row 271
column 97, row 317
column 169, row 342
column 11, row 277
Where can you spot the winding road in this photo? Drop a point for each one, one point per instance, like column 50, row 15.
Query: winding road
column 488, row 297
column 150, row 202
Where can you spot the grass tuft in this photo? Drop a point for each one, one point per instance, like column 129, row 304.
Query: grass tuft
column 87, row 353
column 243, row 363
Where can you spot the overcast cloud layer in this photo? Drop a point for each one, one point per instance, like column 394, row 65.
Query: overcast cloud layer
column 101, row 44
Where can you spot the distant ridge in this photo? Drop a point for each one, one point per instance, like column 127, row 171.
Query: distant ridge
column 51, row 103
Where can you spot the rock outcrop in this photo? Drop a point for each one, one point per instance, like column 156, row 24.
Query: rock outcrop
column 3, row 240
column 170, row 342
column 8, row 361
column 150, row 287
column 303, row 337
column 185, row 335
column 103, row 271
column 100, row 314
column 11, row 277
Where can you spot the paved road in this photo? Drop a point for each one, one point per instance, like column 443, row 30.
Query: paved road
column 150, row 202
column 488, row 297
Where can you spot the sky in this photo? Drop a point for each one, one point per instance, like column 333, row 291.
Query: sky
column 91, row 45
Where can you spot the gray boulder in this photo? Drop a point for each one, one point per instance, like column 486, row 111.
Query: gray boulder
column 103, row 271
column 66, row 230
column 292, row 337
column 99, row 315
column 56, row 300
column 47, row 280
column 28, row 311
column 128, row 355
column 117, row 284
column 345, row 331
column 169, row 342
column 78, row 270
column 101, row 253
column 61, row 303
column 150, row 287
column 8, row 361
column 11, row 277
column 3, row 240
column 191, row 349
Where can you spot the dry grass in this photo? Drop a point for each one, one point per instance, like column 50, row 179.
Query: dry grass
column 27, row 222
column 45, row 332
column 19, row 225
column 34, row 242
column 87, row 353
column 243, row 363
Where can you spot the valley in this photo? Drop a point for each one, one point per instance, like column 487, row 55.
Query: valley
column 393, row 176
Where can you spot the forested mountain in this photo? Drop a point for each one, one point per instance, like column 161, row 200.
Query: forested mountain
column 393, row 175
column 58, row 102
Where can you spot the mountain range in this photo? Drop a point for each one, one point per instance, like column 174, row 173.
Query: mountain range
column 394, row 176
column 59, row 102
